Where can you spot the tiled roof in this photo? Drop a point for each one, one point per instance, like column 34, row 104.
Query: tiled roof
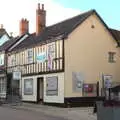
column 116, row 34
column 30, row 40
column 61, row 29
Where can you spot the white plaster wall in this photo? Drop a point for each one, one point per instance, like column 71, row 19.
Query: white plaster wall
column 50, row 99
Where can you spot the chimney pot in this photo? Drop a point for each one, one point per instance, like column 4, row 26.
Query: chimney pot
column 40, row 19
column 24, row 26
column 38, row 6
column 1, row 26
column 42, row 6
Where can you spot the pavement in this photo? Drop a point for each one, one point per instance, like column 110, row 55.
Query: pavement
column 78, row 113
column 8, row 113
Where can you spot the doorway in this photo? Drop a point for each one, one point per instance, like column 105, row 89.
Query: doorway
column 40, row 89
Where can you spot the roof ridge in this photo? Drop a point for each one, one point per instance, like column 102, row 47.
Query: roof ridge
column 114, row 29
column 82, row 13
column 57, row 31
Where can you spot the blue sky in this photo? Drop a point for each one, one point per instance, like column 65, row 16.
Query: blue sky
column 109, row 10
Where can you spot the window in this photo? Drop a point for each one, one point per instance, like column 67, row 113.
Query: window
column 111, row 56
column 2, row 87
column 30, row 56
column 52, row 86
column 28, row 86
column 13, row 60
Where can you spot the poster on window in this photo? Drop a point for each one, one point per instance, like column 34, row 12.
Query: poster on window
column 50, row 54
column 28, row 86
column 77, row 79
column 107, row 81
column 52, row 85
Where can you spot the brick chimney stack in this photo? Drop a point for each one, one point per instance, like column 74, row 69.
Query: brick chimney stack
column 40, row 19
column 24, row 26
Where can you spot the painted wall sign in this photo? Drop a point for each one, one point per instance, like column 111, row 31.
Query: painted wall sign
column 2, row 59
column 41, row 57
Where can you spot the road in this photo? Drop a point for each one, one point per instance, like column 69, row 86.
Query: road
column 13, row 114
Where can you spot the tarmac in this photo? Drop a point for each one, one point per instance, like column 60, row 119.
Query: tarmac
column 77, row 113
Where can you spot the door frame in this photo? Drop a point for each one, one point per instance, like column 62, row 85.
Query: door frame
column 38, row 87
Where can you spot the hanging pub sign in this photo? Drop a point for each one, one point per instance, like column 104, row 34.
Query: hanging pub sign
column 107, row 79
column 16, row 75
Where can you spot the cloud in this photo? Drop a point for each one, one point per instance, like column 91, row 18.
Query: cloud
column 12, row 11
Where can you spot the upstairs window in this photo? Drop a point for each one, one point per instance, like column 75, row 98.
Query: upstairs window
column 111, row 57
column 30, row 55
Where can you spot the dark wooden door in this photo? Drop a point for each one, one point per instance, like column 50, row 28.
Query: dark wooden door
column 38, row 89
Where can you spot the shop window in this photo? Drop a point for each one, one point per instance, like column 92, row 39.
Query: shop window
column 52, row 86
column 28, row 86
column 111, row 57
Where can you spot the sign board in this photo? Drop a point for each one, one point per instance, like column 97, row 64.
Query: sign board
column 2, row 59
column 77, row 79
column 50, row 54
column 41, row 57
column 90, row 89
column 16, row 75
column 107, row 81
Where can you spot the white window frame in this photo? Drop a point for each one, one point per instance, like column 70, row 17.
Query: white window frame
column 30, row 55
